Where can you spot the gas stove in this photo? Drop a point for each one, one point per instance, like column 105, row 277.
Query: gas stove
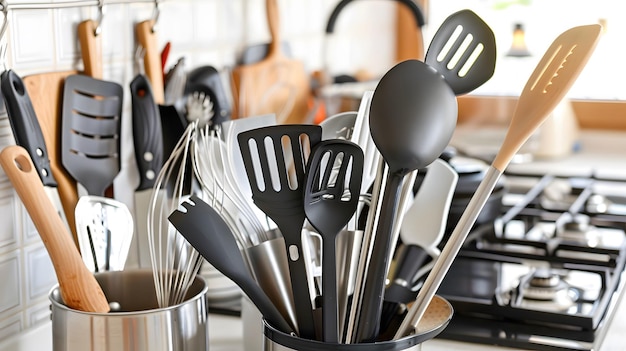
column 548, row 273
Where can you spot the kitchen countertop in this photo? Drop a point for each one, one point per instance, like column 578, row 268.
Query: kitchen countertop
column 602, row 151
column 226, row 334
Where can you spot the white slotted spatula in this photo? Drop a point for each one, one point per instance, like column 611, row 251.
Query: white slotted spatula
column 555, row 73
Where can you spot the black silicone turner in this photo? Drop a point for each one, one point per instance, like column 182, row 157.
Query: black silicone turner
column 277, row 185
column 209, row 234
column 464, row 51
column 90, row 148
column 91, row 126
column 333, row 183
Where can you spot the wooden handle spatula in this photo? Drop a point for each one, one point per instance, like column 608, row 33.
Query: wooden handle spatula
column 78, row 286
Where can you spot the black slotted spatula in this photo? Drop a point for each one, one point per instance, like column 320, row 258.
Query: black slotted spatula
column 333, row 183
column 90, row 151
column 463, row 50
column 274, row 158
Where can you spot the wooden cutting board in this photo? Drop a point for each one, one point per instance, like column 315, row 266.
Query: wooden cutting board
column 409, row 38
column 277, row 84
column 46, row 93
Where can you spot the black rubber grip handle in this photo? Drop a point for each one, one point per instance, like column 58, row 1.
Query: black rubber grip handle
column 25, row 124
column 147, row 132
column 408, row 264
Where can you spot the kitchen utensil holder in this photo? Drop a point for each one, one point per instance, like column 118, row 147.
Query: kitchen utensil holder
column 139, row 325
column 435, row 320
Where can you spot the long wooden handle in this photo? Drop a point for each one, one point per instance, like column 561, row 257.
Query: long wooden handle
column 152, row 59
column 273, row 24
column 91, row 48
column 46, row 91
column 78, row 286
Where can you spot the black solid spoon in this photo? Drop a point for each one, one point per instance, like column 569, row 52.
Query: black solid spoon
column 412, row 118
column 208, row 233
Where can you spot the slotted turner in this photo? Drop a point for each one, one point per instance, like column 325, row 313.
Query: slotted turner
column 331, row 194
column 464, row 51
column 555, row 73
column 281, row 150
column 90, row 148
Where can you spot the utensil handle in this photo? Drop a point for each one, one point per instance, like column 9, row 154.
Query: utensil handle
column 300, row 285
column 273, row 24
column 25, row 125
column 371, row 307
column 152, row 59
column 330, row 311
column 449, row 252
column 366, row 252
column 265, row 305
column 409, row 264
column 91, row 48
column 78, row 286
column 147, row 132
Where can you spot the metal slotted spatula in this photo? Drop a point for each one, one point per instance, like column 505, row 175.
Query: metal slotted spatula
column 555, row 73
column 275, row 158
column 90, row 148
column 331, row 194
column 464, row 51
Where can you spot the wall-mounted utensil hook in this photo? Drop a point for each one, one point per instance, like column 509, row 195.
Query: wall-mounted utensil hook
column 3, row 30
column 155, row 16
column 98, row 29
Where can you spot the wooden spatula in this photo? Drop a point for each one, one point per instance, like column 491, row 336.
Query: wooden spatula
column 78, row 286
column 277, row 84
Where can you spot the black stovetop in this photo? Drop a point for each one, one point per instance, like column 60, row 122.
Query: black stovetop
column 548, row 273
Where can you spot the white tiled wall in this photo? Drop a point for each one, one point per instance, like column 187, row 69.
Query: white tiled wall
column 206, row 32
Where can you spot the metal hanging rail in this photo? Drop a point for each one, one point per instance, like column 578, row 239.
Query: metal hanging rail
column 5, row 5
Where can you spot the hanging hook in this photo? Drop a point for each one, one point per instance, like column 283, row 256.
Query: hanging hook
column 155, row 15
column 98, row 28
column 5, row 12
column 140, row 53
column 3, row 30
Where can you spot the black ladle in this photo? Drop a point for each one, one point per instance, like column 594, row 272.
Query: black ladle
column 412, row 118
column 208, row 233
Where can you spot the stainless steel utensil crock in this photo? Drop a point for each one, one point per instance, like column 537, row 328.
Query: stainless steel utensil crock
column 138, row 324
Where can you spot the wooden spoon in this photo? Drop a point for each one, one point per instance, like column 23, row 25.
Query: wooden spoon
column 546, row 87
column 79, row 288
